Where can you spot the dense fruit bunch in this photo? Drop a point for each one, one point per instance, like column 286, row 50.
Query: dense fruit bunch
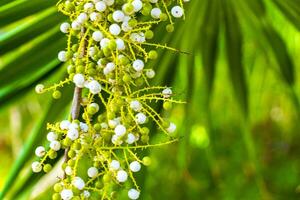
column 107, row 54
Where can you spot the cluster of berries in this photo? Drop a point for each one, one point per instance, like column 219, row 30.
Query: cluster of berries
column 106, row 56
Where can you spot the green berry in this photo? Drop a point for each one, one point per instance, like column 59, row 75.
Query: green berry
column 153, row 54
column 71, row 162
column 77, row 146
column 99, row 184
column 69, row 7
column 91, row 109
column 97, row 127
column 170, row 28
column 112, row 45
column 58, row 187
column 126, row 78
column 56, row 196
column 52, row 154
column 128, row 8
column 80, row 69
column 71, row 153
column 124, row 60
column 139, row 81
column 147, row 161
column 106, row 178
column 91, row 72
column 163, row 17
column 149, row 34
column 132, row 23
column 75, row 47
column 67, row 142
column 47, row 168
column 56, row 94
column 145, row 131
column 107, row 51
column 167, row 105
column 145, row 139
column 71, row 69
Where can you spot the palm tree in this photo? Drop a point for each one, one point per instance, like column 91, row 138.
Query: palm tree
column 213, row 31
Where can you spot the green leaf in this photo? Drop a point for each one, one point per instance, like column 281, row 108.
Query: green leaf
column 281, row 54
column 268, row 37
column 209, row 41
column 54, row 109
column 30, row 30
column 13, row 92
column 291, row 10
column 234, row 40
column 22, row 8
column 31, row 62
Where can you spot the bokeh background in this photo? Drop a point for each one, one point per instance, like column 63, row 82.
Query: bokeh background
column 239, row 131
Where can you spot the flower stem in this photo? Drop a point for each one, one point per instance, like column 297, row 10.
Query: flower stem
column 75, row 109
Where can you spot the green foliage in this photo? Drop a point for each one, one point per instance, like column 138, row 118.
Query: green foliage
column 214, row 32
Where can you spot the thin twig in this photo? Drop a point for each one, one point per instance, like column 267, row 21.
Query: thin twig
column 75, row 109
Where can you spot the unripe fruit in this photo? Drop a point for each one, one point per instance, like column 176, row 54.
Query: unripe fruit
column 170, row 28
column 58, row 187
column 56, row 94
column 167, row 105
column 47, row 168
column 147, row 161
column 153, row 54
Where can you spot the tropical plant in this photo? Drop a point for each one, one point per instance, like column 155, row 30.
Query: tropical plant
column 30, row 40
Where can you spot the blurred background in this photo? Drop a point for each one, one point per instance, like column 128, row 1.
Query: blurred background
column 239, row 131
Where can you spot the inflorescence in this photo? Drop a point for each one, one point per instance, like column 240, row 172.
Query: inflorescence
column 109, row 45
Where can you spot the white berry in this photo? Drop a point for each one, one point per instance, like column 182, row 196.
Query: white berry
column 171, row 128
column 40, row 151
column 114, row 29
column 122, row 176
column 68, row 170
column 120, row 44
column 133, row 194
column 100, row 6
column 78, row 183
column 94, row 87
column 120, row 130
column 130, row 138
column 135, row 166
column 104, row 42
column 140, row 118
column 167, row 92
column 82, row 18
column 66, row 194
column 137, row 5
column 51, row 136
column 64, row 125
column 39, row 88
column 83, row 126
column 114, row 165
column 92, row 172
column 55, row 145
column 118, row 16
column 115, row 139
column 62, row 56
column 136, row 105
column 138, row 65
column 36, row 167
column 97, row 36
column 150, row 73
column 65, row 27
column 177, row 11
column 155, row 13
column 73, row 134
column 79, row 80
